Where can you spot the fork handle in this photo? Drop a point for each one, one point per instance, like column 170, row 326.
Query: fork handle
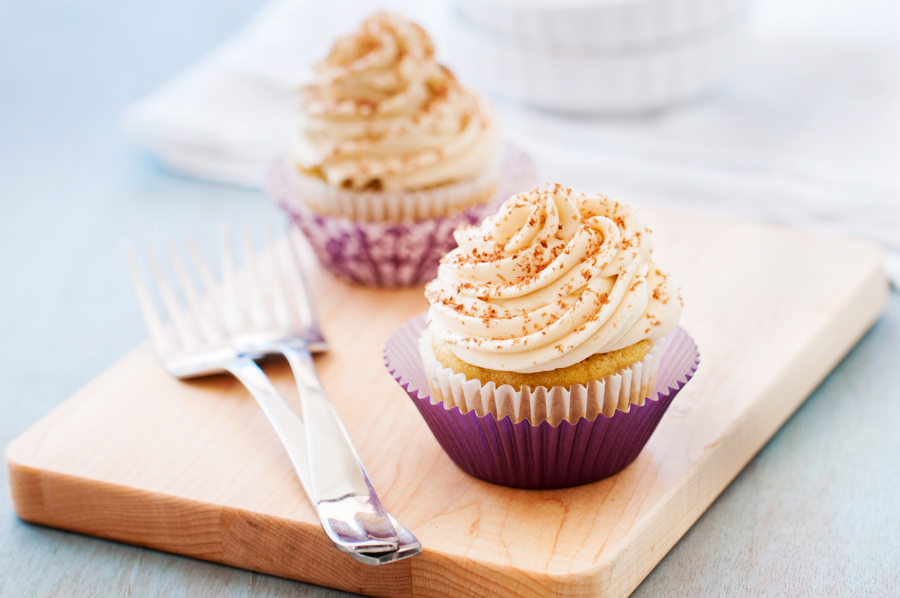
column 340, row 484
column 347, row 506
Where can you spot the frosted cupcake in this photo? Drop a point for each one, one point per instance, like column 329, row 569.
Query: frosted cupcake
column 392, row 155
column 549, row 318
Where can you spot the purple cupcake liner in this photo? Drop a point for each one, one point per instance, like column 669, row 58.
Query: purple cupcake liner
column 522, row 455
column 386, row 254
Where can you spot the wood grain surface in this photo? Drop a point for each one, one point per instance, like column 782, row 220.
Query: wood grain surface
column 193, row 468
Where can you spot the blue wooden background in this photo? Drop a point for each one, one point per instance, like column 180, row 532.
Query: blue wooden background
column 816, row 513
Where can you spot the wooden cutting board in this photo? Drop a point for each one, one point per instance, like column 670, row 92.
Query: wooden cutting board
column 193, row 467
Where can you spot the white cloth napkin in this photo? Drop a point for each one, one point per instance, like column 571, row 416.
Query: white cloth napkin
column 807, row 132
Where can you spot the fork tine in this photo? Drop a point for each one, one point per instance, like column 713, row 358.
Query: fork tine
column 259, row 311
column 213, row 292
column 203, row 318
column 280, row 300
column 161, row 338
column 232, row 311
column 297, row 281
column 181, row 325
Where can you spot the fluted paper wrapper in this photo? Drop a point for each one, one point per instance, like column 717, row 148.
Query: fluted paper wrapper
column 398, row 251
column 631, row 385
column 543, row 456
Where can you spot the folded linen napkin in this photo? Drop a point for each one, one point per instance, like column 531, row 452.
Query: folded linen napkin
column 788, row 140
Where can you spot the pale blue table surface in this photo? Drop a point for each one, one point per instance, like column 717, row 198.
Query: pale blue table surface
column 816, row 513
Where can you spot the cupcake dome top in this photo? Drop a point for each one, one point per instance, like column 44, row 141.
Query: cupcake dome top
column 549, row 280
column 383, row 114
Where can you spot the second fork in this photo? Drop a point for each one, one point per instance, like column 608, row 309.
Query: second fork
column 275, row 316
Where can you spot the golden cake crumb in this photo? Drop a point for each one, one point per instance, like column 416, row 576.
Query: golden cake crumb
column 594, row 367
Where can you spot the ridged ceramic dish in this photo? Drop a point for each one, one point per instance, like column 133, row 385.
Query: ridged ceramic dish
column 599, row 25
column 635, row 81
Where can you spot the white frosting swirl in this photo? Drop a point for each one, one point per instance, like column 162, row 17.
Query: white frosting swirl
column 550, row 280
column 383, row 114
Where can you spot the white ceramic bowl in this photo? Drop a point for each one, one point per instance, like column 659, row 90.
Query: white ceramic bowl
column 641, row 80
column 607, row 25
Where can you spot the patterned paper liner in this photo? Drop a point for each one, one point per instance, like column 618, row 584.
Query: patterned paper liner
column 544, row 456
column 391, row 254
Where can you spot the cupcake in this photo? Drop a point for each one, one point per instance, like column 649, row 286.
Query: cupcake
column 392, row 155
column 552, row 345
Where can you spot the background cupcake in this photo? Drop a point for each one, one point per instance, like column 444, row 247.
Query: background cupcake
column 551, row 314
column 393, row 154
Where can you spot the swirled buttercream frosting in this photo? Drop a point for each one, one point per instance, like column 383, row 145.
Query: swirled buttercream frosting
column 383, row 114
column 551, row 279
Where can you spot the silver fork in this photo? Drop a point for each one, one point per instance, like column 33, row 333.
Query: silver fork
column 276, row 316
column 195, row 343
